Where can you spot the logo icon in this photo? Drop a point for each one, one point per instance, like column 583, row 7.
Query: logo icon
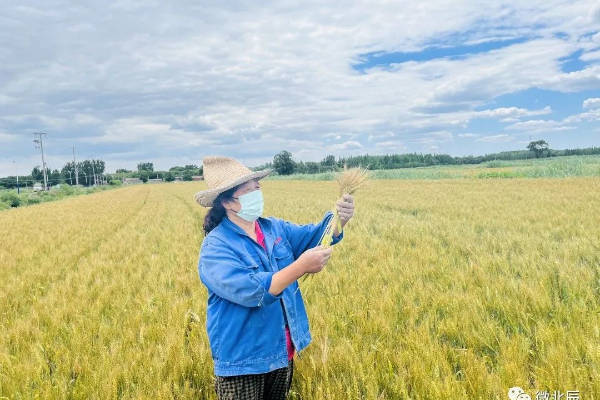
column 516, row 393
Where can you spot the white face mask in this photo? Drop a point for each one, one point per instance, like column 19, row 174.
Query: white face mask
column 252, row 205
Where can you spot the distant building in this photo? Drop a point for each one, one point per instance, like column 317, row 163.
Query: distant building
column 179, row 179
column 197, row 177
column 131, row 181
column 155, row 180
column 37, row 187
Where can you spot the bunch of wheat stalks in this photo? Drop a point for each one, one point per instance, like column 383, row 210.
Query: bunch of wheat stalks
column 348, row 181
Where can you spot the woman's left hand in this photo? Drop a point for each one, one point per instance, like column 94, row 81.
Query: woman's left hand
column 345, row 208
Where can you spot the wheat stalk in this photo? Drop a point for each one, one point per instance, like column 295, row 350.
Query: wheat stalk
column 349, row 180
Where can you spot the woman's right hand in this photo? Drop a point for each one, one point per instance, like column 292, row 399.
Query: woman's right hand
column 314, row 260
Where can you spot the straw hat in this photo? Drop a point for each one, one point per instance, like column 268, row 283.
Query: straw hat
column 221, row 174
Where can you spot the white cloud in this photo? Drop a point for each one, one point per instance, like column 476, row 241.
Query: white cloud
column 595, row 13
column 589, row 116
column 538, row 125
column 349, row 145
column 509, row 114
column 138, row 130
column 5, row 137
column 468, row 135
column 249, row 80
column 391, row 146
column 432, row 139
column 501, row 138
column 85, row 119
column 380, row 136
column 591, row 103
column 585, row 79
column 590, row 56
column 6, row 99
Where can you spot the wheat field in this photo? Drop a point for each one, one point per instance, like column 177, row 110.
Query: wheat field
column 447, row 289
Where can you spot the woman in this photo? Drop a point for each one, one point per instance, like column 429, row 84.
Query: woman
column 255, row 316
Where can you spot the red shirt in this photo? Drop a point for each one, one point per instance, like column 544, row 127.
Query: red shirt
column 260, row 238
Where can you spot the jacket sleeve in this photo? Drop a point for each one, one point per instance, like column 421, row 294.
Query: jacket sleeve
column 222, row 271
column 304, row 237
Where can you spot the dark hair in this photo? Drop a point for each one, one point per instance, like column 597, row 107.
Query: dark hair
column 217, row 212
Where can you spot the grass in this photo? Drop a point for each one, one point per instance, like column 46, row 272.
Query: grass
column 556, row 167
column 9, row 198
column 440, row 289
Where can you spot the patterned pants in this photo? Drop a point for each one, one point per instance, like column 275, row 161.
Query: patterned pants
column 272, row 385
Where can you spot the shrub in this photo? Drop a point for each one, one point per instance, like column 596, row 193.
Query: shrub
column 493, row 164
column 33, row 199
column 497, row 174
column 10, row 198
column 67, row 190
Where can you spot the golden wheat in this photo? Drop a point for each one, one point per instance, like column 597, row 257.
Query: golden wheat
column 452, row 289
column 349, row 180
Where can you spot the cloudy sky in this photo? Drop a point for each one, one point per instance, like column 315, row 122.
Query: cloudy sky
column 171, row 82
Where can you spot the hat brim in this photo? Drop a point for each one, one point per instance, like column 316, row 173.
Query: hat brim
column 206, row 197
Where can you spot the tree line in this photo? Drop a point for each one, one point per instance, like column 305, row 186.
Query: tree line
column 146, row 171
column 92, row 172
column 284, row 164
column 88, row 172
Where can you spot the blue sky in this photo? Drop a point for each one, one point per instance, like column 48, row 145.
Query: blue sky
column 153, row 81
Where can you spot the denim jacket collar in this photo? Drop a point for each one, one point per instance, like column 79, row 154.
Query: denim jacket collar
column 266, row 229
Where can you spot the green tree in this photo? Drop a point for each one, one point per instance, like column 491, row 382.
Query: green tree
column 187, row 176
column 328, row 163
column 539, row 147
column 146, row 166
column 99, row 166
column 144, row 176
column 54, row 177
column 85, row 168
column 37, row 174
column 283, row 163
column 169, row 177
column 68, row 173
column 312, row 167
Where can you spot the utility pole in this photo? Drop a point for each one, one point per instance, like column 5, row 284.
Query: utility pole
column 94, row 171
column 14, row 162
column 39, row 141
column 75, row 165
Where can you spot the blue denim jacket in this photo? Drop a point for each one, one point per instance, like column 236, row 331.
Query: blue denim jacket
column 245, row 323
